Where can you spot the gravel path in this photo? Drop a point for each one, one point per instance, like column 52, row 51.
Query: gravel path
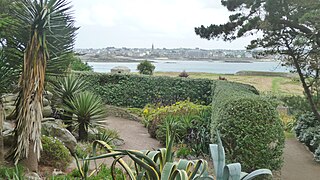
column 134, row 134
column 298, row 162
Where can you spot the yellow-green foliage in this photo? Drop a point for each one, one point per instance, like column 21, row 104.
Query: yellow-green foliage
column 287, row 120
column 181, row 108
column 185, row 113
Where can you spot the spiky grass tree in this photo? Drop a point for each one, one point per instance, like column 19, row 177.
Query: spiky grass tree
column 65, row 88
column 45, row 22
column 89, row 110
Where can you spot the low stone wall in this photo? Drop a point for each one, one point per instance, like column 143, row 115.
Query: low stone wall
column 10, row 99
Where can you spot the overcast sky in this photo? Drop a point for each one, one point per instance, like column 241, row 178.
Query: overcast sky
column 141, row 23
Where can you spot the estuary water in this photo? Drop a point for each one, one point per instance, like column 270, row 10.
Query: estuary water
column 219, row 67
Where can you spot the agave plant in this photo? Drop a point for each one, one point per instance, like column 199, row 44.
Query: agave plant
column 230, row 171
column 159, row 164
column 89, row 111
column 154, row 164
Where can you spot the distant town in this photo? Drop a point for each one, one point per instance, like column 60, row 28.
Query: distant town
column 113, row 54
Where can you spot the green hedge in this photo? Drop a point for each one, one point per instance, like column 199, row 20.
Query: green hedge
column 249, row 125
column 130, row 90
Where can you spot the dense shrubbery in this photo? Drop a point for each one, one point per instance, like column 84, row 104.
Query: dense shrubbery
column 78, row 65
column 308, row 132
column 138, row 90
column 191, row 122
column 54, row 153
column 249, row 126
column 297, row 104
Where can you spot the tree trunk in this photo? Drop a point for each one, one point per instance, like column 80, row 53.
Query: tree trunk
column 31, row 162
column 29, row 105
column 2, row 118
column 306, row 90
column 83, row 134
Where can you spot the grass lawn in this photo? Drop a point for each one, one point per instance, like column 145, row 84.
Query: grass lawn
column 266, row 84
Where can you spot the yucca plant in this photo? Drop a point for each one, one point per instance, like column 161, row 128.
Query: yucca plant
column 88, row 110
column 48, row 29
column 65, row 88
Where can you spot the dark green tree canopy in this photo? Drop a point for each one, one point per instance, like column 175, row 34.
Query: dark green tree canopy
column 250, row 16
column 290, row 29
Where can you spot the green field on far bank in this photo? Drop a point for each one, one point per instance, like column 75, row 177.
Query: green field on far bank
column 266, row 84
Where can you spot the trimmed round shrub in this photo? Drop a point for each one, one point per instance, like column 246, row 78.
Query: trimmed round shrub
column 251, row 131
column 54, row 153
column 146, row 67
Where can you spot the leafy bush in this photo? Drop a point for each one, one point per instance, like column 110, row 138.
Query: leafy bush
column 297, row 104
column 304, row 122
column 308, row 132
column 146, row 67
column 249, row 125
column 191, row 123
column 138, row 91
column 83, row 149
column 182, row 151
column 54, row 153
column 78, row 65
column 288, row 121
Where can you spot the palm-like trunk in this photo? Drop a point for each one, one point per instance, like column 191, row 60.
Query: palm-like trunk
column 29, row 106
column 83, row 130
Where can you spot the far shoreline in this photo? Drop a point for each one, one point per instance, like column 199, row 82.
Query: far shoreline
column 153, row 59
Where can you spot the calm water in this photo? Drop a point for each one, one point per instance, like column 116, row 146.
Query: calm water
column 195, row 66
